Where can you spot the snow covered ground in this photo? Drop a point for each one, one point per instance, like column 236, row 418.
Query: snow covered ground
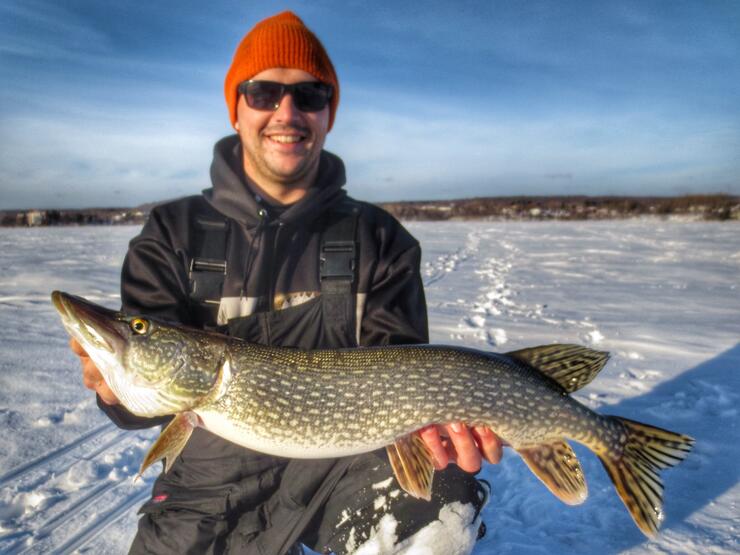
column 662, row 297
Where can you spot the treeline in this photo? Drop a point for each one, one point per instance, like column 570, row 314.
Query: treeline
column 86, row 216
column 703, row 207
column 699, row 207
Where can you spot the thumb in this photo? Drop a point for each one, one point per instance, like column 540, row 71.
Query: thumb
column 77, row 348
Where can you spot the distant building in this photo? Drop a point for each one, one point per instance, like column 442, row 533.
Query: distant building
column 35, row 218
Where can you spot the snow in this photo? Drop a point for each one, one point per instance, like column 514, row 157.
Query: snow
column 434, row 539
column 662, row 296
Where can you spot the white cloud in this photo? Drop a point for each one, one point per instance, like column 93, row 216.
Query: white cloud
column 111, row 161
column 471, row 153
column 79, row 154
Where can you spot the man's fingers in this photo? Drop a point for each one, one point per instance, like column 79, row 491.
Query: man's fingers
column 431, row 438
column 89, row 382
column 462, row 445
column 106, row 394
column 93, row 379
column 449, row 448
column 91, row 376
column 468, row 456
column 489, row 443
column 76, row 347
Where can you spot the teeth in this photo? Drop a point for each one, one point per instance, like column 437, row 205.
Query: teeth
column 286, row 138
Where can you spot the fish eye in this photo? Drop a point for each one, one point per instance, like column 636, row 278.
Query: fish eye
column 139, row 326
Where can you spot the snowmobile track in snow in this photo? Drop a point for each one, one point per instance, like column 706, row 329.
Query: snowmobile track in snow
column 98, row 525
column 53, row 455
column 30, row 533
column 83, row 535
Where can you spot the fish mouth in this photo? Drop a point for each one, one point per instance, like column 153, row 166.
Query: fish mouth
column 92, row 325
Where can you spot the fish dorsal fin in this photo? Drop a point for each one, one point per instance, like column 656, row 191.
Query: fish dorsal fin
column 171, row 441
column 557, row 466
column 572, row 366
column 413, row 466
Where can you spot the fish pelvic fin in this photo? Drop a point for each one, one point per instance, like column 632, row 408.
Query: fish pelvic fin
column 634, row 465
column 412, row 465
column 557, row 466
column 571, row 366
column 171, row 441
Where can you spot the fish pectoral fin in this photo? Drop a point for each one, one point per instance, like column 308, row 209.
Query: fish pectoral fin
column 413, row 465
column 171, row 441
column 557, row 466
column 571, row 366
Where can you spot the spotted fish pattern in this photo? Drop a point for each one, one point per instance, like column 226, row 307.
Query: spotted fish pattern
column 341, row 402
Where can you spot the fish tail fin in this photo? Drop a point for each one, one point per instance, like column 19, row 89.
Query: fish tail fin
column 633, row 464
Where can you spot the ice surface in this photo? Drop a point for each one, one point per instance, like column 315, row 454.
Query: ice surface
column 662, row 297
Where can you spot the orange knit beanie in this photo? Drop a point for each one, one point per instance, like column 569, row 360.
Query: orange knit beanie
column 279, row 41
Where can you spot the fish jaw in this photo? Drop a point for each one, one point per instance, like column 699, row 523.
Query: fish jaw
column 99, row 331
column 122, row 357
column 102, row 333
column 96, row 328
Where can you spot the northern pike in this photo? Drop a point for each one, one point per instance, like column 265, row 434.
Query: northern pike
column 339, row 402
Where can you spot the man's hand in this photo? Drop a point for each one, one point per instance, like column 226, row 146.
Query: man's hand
column 466, row 447
column 91, row 376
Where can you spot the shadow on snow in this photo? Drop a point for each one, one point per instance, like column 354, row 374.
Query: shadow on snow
column 700, row 402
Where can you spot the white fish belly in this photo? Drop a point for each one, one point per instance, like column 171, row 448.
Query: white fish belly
column 236, row 432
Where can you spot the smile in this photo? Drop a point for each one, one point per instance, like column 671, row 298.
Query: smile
column 286, row 139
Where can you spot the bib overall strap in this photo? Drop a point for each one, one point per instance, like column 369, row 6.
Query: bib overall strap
column 338, row 264
column 207, row 271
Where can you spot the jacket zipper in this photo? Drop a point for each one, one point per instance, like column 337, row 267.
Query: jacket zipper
column 271, row 270
column 251, row 254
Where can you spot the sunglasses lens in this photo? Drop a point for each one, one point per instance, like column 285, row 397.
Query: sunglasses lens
column 263, row 95
column 266, row 95
column 311, row 97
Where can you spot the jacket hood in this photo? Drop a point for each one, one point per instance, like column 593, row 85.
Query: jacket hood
column 231, row 195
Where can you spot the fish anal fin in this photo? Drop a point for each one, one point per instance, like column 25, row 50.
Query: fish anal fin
column 571, row 366
column 413, row 465
column 171, row 441
column 557, row 466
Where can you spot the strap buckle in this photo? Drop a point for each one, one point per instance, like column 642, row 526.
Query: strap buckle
column 337, row 260
column 206, row 279
column 207, row 265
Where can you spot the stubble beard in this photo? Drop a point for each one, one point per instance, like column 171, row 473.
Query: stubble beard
column 270, row 172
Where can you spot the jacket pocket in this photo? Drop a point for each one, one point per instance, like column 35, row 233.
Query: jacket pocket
column 207, row 502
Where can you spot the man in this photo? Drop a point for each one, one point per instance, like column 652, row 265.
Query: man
column 276, row 253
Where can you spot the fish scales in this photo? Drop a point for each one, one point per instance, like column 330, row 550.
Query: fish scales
column 318, row 404
column 341, row 402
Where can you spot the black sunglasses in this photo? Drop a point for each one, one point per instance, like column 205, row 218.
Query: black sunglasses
column 309, row 96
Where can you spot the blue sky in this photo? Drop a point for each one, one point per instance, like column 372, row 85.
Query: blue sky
column 119, row 103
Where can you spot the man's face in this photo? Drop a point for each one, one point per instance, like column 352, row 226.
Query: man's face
column 282, row 147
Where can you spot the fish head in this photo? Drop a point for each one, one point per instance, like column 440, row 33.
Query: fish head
column 153, row 367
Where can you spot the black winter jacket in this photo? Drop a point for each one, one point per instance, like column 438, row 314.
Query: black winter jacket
column 272, row 258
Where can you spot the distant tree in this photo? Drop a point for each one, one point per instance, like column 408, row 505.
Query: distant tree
column 53, row 217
